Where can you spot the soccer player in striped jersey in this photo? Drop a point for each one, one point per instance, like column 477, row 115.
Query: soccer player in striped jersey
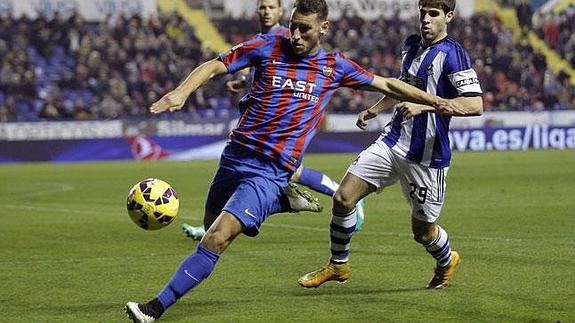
column 269, row 14
column 293, row 82
column 413, row 149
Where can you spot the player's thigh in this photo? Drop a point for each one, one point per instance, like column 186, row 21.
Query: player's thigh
column 375, row 166
column 424, row 188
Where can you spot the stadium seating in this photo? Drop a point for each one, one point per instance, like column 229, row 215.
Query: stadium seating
column 513, row 75
column 116, row 69
column 558, row 30
column 108, row 70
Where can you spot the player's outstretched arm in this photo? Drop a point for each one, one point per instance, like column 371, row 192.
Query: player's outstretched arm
column 466, row 107
column 175, row 99
column 402, row 91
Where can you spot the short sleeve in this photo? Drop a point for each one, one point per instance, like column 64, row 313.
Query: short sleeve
column 244, row 54
column 460, row 72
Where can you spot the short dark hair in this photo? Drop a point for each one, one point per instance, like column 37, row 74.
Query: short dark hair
column 446, row 5
column 279, row 3
column 312, row 6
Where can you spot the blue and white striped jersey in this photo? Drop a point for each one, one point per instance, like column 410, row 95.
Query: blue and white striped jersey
column 443, row 69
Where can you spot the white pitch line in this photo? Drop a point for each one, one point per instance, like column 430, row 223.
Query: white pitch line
column 52, row 209
column 272, row 225
column 77, row 260
column 56, row 188
column 373, row 233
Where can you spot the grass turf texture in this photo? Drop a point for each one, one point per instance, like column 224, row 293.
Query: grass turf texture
column 69, row 252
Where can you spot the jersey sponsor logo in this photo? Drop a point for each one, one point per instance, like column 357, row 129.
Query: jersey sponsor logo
column 465, row 82
column 302, row 89
column 412, row 80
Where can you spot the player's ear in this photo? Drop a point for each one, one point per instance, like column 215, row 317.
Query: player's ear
column 324, row 27
column 448, row 16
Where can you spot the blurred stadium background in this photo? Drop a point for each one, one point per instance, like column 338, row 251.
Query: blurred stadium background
column 76, row 80
column 77, row 76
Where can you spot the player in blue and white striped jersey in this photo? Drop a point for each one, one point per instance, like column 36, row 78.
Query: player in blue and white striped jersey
column 413, row 149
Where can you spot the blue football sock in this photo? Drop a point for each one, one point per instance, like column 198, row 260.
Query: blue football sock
column 318, row 181
column 192, row 271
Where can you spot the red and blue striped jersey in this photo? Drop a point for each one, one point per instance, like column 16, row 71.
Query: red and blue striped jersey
column 288, row 96
column 279, row 30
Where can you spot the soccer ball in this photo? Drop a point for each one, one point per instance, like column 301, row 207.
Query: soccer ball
column 152, row 204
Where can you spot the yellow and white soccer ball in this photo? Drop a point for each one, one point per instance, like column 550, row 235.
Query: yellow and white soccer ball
column 152, row 204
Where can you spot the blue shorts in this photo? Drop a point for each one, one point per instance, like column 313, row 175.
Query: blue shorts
column 249, row 186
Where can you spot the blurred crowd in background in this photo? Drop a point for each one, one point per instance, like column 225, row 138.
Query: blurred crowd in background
column 65, row 68
column 558, row 30
column 513, row 76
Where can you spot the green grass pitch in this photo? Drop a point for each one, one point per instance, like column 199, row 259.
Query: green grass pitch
column 69, row 252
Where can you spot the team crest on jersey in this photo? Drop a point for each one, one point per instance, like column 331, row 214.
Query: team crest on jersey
column 326, row 70
column 430, row 69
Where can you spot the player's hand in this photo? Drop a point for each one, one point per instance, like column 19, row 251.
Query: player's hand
column 172, row 101
column 235, row 86
column 449, row 107
column 410, row 110
column 363, row 117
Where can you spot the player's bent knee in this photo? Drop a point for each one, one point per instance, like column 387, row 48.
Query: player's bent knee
column 216, row 241
column 342, row 202
column 423, row 232
column 222, row 232
column 424, row 237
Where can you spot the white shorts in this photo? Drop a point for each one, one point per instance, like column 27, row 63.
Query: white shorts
column 423, row 187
